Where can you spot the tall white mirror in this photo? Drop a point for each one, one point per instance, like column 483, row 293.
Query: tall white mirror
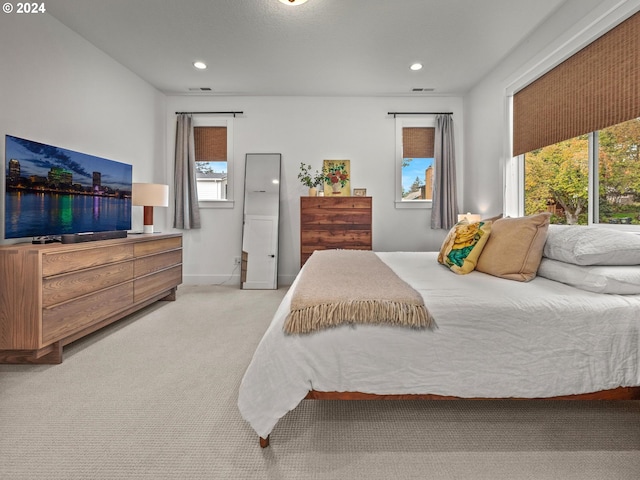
column 261, row 219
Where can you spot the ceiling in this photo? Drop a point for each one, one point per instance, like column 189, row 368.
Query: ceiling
column 323, row 47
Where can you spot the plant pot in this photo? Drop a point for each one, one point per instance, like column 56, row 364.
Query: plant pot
column 313, row 192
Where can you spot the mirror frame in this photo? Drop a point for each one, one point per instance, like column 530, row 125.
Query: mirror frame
column 261, row 210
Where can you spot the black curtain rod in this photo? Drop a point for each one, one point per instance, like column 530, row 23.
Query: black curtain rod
column 419, row 113
column 209, row 113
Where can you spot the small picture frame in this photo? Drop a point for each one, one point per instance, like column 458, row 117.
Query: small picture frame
column 359, row 192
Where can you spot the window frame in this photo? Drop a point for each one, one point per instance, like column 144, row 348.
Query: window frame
column 595, row 24
column 211, row 121
column 427, row 121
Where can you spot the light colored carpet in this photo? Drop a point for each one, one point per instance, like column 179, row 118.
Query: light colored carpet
column 154, row 397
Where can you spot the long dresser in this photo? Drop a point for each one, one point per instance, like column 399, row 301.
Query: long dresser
column 334, row 222
column 54, row 294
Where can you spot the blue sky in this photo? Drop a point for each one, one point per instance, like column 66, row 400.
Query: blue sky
column 415, row 169
column 38, row 158
column 217, row 167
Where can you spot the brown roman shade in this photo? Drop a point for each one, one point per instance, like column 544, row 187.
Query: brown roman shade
column 417, row 142
column 597, row 87
column 210, row 143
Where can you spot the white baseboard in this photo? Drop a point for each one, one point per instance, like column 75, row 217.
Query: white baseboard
column 230, row 280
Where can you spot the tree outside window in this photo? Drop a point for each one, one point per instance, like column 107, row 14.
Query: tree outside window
column 417, row 178
column 557, row 177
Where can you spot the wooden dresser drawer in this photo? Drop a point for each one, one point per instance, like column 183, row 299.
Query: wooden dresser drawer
column 67, row 318
column 150, row 285
column 72, row 260
column 342, row 217
column 155, row 246
column 354, row 235
column 60, row 288
column 54, row 294
column 154, row 263
column 333, row 203
column 329, row 223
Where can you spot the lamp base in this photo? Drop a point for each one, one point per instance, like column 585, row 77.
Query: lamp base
column 147, row 229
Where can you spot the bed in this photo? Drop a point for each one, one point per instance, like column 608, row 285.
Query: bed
column 493, row 338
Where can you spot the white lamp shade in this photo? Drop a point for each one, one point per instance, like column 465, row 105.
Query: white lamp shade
column 150, row 194
column 470, row 217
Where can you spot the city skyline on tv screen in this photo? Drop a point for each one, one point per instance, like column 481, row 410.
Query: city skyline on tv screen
column 52, row 191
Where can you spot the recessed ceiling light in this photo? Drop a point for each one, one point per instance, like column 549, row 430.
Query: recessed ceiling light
column 200, row 65
column 416, row 66
column 293, row 2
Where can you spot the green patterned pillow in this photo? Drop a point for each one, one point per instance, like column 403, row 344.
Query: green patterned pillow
column 463, row 245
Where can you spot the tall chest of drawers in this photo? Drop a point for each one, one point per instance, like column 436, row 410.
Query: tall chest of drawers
column 334, row 222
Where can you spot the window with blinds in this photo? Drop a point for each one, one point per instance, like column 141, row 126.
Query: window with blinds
column 417, row 163
column 211, row 162
column 581, row 121
column 597, row 87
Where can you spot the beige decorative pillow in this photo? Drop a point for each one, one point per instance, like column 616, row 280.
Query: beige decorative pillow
column 514, row 249
column 463, row 245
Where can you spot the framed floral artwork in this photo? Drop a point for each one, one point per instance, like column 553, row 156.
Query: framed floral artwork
column 337, row 177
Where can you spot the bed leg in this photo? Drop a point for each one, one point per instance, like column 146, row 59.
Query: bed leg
column 264, row 442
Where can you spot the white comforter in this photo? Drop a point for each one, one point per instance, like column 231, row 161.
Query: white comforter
column 495, row 338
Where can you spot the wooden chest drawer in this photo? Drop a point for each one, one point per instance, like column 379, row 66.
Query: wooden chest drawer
column 354, row 235
column 72, row 260
column 155, row 246
column 67, row 318
column 154, row 263
column 329, row 223
column 348, row 217
column 59, row 288
column 333, row 203
column 150, row 285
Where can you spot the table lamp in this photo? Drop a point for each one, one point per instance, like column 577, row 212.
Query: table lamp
column 149, row 195
column 470, row 217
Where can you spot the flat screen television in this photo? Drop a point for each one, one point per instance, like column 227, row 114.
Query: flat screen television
column 51, row 191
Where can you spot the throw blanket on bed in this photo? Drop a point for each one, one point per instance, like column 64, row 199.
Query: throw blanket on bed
column 338, row 287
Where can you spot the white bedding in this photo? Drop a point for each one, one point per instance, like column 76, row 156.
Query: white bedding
column 495, row 338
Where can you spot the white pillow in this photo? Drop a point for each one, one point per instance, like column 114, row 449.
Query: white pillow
column 616, row 279
column 586, row 245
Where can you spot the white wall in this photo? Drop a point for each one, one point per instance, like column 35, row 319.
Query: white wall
column 309, row 130
column 487, row 134
column 57, row 88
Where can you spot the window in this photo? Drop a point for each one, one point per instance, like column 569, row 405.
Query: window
column 592, row 178
column 576, row 134
column 214, row 165
column 414, row 162
column 618, row 177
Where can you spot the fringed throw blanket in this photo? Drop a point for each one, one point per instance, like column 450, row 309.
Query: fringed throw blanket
column 352, row 286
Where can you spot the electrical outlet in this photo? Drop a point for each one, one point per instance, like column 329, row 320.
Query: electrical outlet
column 236, row 260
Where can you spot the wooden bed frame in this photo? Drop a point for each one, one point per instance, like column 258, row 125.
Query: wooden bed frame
column 620, row 393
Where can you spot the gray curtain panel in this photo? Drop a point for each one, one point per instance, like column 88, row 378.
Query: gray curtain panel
column 186, row 211
column 444, row 209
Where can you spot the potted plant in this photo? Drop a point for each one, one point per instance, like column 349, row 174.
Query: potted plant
column 310, row 179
